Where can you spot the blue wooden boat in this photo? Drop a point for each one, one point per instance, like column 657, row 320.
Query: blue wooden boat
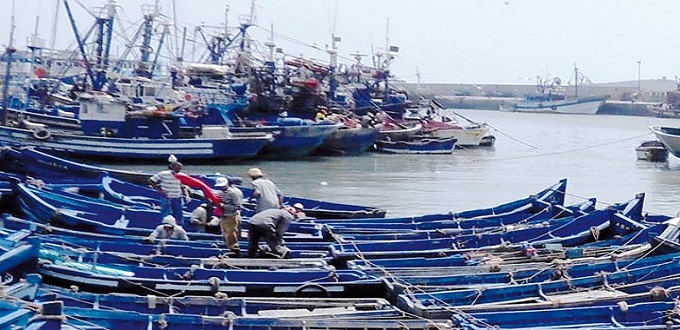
column 351, row 230
column 17, row 249
column 202, row 281
column 52, row 169
column 88, row 318
column 91, row 214
column 129, row 193
column 168, row 254
column 46, row 307
column 440, row 303
column 348, row 141
column 17, row 314
column 512, row 258
column 28, row 161
column 293, row 137
column 568, row 231
column 520, row 275
column 419, row 145
column 108, row 131
column 506, row 213
column 647, row 315
column 282, row 307
column 203, row 247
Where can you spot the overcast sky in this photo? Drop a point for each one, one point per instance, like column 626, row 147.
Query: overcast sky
column 454, row 41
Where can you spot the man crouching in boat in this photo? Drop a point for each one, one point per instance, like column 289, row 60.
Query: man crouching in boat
column 168, row 229
column 271, row 224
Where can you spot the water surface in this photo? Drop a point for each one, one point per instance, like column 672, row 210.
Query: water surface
column 595, row 153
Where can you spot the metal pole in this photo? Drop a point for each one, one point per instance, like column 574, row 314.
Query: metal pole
column 639, row 77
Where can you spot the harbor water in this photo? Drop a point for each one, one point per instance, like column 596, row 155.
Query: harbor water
column 596, row 153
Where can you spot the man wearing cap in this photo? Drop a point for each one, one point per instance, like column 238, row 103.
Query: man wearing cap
column 230, row 222
column 271, row 224
column 265, row 192
column 168, row 229
column 170, row 187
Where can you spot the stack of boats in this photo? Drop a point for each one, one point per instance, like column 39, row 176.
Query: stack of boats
column 74, row 257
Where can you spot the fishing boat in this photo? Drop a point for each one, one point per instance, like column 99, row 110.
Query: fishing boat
column 621, row 314
column 551, row 98
column 205, row 249
column 505, row 213
column 581, row 105
column 282, row 307
column 652, row 151
column 442, row 123
column 201, row 281
column 27, row 161
column 110, row 132
column 349, row 141
column 115, row 184
column 441, row 303
column 619, row 220
column 358, row 231
column 17, row 248
column 417, row 145
column 76, row 211
column 127, row 193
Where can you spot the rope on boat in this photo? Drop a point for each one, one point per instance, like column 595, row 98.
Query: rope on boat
column 560, row 152
column 409, row 290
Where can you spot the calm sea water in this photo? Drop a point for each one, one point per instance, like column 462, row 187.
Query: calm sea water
column 595, row 153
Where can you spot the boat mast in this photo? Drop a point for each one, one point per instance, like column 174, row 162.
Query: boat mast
column 575, row 81
column 34, row 44
column 54, row 26
column 81, row 44
column 333, row 52
column 9, row 50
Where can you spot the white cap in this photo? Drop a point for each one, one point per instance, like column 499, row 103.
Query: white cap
column 255, row 172
column 169, row 220
column 221, row 182
column 299, row 206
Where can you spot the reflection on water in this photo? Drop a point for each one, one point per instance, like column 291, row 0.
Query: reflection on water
column 595, row 153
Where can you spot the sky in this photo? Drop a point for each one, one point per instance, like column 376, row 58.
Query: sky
column 441, row 41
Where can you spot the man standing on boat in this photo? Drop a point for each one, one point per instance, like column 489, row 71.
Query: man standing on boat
column 230, row 222
column 265, row 192
column 271, row 224
column 170, row 187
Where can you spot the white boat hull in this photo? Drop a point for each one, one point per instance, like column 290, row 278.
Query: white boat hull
column 670, row 137
column 585, row 106
column 467, row 136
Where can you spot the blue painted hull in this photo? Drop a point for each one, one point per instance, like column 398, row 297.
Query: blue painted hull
column 645, row 315
column 226, row 149
column 194, row 280
column 349, row 141
column 568, row 232
column 418, row 146
column 105, row 217
column 291, row 141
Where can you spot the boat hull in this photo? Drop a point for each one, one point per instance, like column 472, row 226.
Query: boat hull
column 82, row 146
column 583, row 106
column 349, row 141
column 670, row 137
column 291, row 141
column 421, row 146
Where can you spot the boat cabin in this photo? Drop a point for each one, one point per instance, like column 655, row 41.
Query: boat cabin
column 104, row 115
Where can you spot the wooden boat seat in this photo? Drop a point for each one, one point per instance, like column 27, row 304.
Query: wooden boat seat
column 298, row 312
column 584, row 296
